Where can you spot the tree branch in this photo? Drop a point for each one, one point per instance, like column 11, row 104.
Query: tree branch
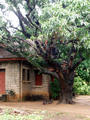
column 34, row 24
column 5, row 30
column 46, row 71
column 77, row 64
column 16, row 28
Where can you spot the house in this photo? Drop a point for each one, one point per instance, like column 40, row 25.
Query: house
column 18, row 76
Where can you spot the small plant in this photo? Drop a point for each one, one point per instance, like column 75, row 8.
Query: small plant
column 10, row 92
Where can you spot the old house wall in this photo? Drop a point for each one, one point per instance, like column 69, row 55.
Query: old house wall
column 26, row 84
column 42, row 89
column 29, row 88
column 14, row 80
column 12, row 77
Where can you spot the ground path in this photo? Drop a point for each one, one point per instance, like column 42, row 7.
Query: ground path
column 81, row 107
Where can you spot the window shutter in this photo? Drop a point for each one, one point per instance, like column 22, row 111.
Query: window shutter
column 38, row 79
column 52, row 79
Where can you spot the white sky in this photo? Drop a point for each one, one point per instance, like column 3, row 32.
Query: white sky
column 12, row 17
column 9, row 15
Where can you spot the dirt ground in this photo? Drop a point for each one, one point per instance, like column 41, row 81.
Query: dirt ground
column 78, row 111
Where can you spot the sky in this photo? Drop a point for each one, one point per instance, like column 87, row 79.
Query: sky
column 9, row 15
column 12, row 17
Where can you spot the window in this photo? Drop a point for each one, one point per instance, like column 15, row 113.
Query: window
column 23, row 75
column 26, row 75
column 38, row 79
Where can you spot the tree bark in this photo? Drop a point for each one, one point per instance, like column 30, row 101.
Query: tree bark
column 66, row 84
column 66, row 95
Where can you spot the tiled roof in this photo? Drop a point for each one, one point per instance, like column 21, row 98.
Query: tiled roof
column 5, row 54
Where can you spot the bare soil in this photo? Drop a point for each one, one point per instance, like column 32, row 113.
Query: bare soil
column 78, row 111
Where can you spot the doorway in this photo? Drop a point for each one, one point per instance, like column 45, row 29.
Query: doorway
column 2, row 81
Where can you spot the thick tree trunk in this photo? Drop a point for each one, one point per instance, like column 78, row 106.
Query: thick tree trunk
column 66, row 85
column 66, row 95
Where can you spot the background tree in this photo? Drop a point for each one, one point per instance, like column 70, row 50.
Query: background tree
column 82, row 78
column 52, row 35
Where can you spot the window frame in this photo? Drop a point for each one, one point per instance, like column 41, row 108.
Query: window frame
column 26, row 75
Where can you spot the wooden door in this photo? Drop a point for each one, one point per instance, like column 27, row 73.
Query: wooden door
column 2, row 81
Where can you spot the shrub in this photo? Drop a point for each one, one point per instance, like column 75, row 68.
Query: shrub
column 83, row 70
column 81, row 87
column 55, row 89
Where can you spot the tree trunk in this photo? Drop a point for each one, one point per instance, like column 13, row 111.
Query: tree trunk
column 66, row 85
column 66, row 95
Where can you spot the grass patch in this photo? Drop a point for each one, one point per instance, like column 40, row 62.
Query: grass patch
column 20, row 117
column 10, row 114
column 15, row 114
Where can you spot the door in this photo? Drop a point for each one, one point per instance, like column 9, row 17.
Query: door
column 2, row 81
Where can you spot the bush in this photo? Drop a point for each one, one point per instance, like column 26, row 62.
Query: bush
column 81, row 87
column 54, row 89
column 83, row 70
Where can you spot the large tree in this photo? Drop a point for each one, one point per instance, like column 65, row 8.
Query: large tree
column 52, row 35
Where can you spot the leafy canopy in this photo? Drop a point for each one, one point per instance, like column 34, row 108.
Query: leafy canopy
column 68, row 17
column 60, row 30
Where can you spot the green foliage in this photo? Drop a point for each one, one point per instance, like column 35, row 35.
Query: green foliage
column 55, row 89
column 10, row 115
column 68, row 19
column 81, row 87
column 71, row 21
column 83, row 70
column 82, row 81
